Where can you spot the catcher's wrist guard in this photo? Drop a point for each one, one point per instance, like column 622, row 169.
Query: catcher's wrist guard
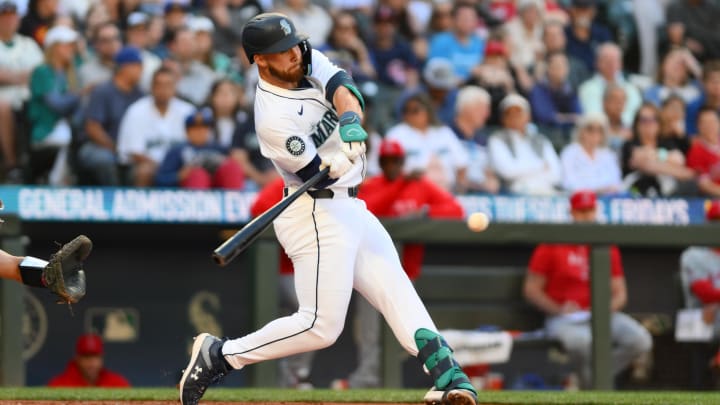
column 31, row 271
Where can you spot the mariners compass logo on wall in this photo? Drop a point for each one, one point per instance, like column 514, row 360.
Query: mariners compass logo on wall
column 285, row 26
column 295, row 145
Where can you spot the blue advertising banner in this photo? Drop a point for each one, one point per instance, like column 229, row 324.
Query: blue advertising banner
column 158, row 205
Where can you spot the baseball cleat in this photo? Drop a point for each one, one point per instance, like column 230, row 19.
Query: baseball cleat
column 205, row 368
column 455, row 396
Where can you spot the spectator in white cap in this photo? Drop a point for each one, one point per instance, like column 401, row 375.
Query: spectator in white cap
column 54, row 97
column 219, row 62
column 442, row 86
column 18, row 56
column 106, row 42
column 524, row 159
column 136, row 34
column 588, row 163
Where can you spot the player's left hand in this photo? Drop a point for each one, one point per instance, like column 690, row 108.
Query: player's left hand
column 353, row 149
column 339, row 164
column 351, row 129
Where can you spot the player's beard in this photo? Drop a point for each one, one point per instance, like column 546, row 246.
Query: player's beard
column 291, row 76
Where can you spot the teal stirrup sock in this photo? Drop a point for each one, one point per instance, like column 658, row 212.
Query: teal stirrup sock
column 436, row 355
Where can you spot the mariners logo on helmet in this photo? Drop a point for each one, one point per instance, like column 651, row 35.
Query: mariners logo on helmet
column 285, row 26
column 270, row 33
column 295, row 145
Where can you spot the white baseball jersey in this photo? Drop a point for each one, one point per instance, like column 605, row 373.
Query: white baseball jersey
column 336, row 244
column 295, row 125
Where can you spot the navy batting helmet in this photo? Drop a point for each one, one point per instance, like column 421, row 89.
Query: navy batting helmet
column 269, row 33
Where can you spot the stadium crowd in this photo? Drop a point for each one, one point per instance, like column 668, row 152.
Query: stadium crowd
column 535, row 97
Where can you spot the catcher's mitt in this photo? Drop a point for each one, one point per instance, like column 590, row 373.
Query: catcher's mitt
column 64, row 274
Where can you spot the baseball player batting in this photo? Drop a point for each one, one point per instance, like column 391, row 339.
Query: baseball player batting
column 307, row 117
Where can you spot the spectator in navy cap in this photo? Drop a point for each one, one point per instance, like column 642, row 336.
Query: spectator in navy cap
column 175, row 14
column 106, row 107
column 583, row 33
column 200, row 162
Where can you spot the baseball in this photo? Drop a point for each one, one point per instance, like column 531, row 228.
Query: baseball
column 478, row 221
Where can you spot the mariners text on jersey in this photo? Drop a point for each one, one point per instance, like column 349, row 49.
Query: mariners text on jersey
column 324, row 128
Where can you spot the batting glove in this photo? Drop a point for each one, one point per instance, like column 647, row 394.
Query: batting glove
column 351, row 129
column 353, row 149
column 339, row 164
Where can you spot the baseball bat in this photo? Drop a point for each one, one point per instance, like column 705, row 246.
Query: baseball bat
column 243, row 238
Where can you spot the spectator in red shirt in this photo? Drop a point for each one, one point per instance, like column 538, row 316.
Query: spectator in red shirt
column 393, row 194
column 87, row 368
column 558, row 283
column 704, row 153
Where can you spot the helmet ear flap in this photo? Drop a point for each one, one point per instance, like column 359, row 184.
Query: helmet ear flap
column 306, row 51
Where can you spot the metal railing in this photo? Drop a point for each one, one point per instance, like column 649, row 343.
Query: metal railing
column 263, row 259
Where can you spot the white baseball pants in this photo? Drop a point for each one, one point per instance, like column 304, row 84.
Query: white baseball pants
column 335, row 245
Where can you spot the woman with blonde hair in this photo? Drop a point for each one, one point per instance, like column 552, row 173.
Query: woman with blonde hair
column 588, row 163
column 54, row 98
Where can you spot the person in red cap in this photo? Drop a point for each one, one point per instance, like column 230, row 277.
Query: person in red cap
column 87, row 368
column 558, row 283
column 700, row 274
column 394, row 194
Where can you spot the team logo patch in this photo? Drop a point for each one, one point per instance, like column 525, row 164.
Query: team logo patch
column 285, row 26
column 295, row 145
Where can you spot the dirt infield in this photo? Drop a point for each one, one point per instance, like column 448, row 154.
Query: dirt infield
column 28, row 402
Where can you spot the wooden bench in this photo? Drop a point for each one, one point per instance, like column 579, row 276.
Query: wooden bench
column 469, row 297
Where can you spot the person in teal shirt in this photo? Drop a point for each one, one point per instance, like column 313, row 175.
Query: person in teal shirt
column 54, row 98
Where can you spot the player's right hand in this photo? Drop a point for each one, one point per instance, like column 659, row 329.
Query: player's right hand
column 339, row 164
column 353, row 149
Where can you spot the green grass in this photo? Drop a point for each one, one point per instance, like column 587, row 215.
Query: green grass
column 411, row 396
